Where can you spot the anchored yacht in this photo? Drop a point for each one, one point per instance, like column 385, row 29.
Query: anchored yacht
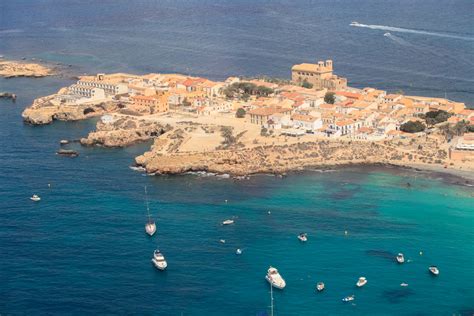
column 35, row 198
column 159, row 260
column 434, row 270
column 275, row 279
column 400, row 258
column 361, row 282
column 303, row 237
column 150, row 226
column 320, row 286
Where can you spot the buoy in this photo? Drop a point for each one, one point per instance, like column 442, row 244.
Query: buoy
column 345, row 232
column 421, row 253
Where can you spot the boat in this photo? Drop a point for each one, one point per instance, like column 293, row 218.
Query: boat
column 238, row 251
column 35, row 198
column 150, row 226
column 303, row 237
column 63, row 142
column 348, row 298
column 228, row 222
column 222, row 241
column 361, row 282
column 67, row 153
column 354, row 23
column 400, row 258
column 320, row 286
column 275, row 279
column 159, row 260
column 434, row 270
column 387, row 34
column 404, row 284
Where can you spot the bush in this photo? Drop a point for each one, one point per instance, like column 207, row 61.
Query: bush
column 329, row 98
column 412, row 127
column 240, row 113
column 435, row 117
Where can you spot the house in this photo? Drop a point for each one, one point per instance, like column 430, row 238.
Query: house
column 150, row 104
column 306, row 122
column 261, row 116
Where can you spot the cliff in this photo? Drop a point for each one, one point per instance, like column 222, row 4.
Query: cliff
column 122, row 131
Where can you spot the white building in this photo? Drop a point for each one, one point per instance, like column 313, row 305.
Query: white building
column 306, row 122
column 87, row 92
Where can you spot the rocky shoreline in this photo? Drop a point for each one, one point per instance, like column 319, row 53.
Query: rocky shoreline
column 13, row 69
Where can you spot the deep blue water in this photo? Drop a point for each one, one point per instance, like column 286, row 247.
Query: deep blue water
column 82, row 249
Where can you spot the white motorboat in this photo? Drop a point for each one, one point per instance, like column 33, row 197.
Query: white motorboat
column 275, row 279
column 303, row 237
column 222, row 241
column 400, row 258
column 354, row 23
column 320, row 286
column 387, row 34
column 434, row 270
column 159, row 260
column 228, row 222
column 35, row 198
column 404, row 284
column 238, row 251
column 348, row 298
column 150, row 226
column 361, row 282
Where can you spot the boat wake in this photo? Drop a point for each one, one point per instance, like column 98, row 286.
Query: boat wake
column 403, row 30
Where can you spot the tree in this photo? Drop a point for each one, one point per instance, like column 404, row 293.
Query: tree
column 329, row 98
column 306, row 84
column 436, row 117
column 412, row 127
column 240, row 113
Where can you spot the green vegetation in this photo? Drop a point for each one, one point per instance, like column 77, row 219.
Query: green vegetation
column 240, row 113
column 412, row 127
column 435, row 117
column 227, row 134
column 449, row 131
column 306, row 84
column 243, row 90
column 330, row 98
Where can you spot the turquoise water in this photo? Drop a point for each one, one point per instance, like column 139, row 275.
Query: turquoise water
column 83, row 250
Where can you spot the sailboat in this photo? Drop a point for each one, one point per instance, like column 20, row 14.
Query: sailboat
column 150, row 226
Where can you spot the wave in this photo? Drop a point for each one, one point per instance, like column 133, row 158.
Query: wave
column 403, row 30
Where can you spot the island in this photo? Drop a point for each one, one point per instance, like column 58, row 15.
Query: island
column 244, row 126
column 11, row 69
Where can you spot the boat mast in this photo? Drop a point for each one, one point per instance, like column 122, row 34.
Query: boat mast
column 147, row 206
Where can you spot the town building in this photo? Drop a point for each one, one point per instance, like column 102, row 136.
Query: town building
column 320, row 75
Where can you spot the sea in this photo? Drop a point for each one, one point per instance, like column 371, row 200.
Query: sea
column 82, row 249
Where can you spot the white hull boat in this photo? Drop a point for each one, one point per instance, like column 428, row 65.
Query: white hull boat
column 275, row 279
column 238, row 251
column 434, row 270
column 400, row 258
column 303, row 237
column 228, row 222
column 159, row 260
column 320, row 286
column 35, row 198
column 361, row 282
column 150, row 228
column 348, row 298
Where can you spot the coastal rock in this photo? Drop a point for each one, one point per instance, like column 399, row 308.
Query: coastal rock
column 11, row 69
column 122, row 131
column 47, row 109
